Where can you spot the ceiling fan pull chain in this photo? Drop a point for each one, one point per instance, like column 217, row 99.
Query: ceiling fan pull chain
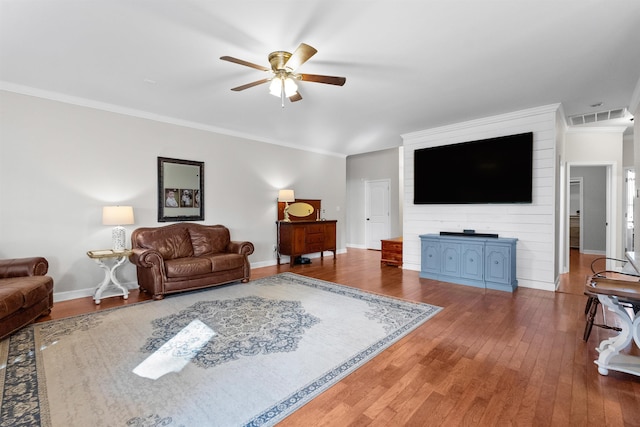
column 282, row 92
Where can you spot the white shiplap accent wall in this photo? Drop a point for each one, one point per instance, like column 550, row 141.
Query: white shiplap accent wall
column 532, row 224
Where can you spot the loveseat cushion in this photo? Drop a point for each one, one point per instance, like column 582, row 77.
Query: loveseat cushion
column 209, row 240
column 223, row 262
column 10, row 301
column 171, row 244
column 186, row 267
column 23, row 292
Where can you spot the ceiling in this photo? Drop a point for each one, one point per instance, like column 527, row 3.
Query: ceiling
column 410, row 65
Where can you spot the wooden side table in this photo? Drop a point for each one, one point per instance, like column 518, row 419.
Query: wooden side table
column 392, row 251
column 109, row 272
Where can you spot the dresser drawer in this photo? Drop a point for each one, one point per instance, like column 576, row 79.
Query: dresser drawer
column 314, row 238
column 315, row 228
column 391, row 257
column 314, row 247
column 391, row 246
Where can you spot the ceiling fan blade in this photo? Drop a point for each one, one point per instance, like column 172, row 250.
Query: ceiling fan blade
column 248, row 85
column 245, row 63
column 295, row 97
column 331, row 80
column 300, row 56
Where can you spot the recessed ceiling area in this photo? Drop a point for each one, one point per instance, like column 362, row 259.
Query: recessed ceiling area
column 409, row 66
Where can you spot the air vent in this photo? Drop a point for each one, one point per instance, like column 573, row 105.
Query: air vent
column 582, row 119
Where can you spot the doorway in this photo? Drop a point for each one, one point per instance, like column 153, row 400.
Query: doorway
column 378, row 225
column 598, row 212
column 576, row 205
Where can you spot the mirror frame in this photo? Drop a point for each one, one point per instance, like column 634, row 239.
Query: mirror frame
column 166, row 182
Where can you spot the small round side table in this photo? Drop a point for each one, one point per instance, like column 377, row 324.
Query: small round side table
column 109, row 272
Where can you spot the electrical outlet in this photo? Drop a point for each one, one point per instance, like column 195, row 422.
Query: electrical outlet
column 275, row 248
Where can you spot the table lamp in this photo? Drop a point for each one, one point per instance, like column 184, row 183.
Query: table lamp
column 286, row 196
column 118, row 216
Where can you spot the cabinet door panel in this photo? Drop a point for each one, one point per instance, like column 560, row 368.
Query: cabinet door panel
column 450, row 262
column 430, row 257
column 497, row 264
column 472, row 265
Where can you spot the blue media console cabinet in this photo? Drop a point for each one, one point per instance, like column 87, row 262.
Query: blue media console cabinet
column 470, row 260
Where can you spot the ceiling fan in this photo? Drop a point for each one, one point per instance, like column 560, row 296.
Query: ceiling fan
column 283, row 74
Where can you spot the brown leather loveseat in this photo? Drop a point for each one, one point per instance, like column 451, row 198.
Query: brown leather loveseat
column 26, row 293
column 185, row 256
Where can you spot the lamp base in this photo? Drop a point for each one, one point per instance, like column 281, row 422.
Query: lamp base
column 118, row 235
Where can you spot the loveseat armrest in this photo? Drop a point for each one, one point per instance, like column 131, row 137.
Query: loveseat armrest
column 20, row 267
column 146, row 258
column 236, row 247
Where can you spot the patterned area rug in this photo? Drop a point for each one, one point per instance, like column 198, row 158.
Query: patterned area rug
column 241, row 354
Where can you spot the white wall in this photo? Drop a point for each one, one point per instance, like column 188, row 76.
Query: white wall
column 627, row 150
column 60, row 163
column 534, row 225
column 384, row 164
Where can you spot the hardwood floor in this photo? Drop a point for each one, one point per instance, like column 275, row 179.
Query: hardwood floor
column 489, row 358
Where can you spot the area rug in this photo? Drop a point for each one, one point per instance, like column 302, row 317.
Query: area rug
column 234, row 355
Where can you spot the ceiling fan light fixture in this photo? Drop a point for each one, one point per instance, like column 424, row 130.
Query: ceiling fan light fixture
column 275, row 88
column 290, row 87
column 283, row 84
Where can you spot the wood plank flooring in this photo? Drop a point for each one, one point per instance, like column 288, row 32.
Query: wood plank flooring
column 490, row 358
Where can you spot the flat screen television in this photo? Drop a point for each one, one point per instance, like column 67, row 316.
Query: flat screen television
column 495, row 170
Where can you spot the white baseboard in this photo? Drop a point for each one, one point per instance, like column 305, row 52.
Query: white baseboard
column 356, row 246
column 590, row 252
column 83, row 293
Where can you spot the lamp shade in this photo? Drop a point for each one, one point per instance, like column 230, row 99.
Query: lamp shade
column 286, row 196
column 117, row 215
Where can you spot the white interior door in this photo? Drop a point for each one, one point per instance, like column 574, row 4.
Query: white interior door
column 377, row 208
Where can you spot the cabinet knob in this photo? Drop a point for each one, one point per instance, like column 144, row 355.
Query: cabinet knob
column 495, row 262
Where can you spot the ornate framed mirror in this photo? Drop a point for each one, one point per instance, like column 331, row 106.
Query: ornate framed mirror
column 180, row 190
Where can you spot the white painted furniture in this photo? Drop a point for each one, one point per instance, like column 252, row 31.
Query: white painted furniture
column 110, row 277
column 484, row 262
column 618, row 296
